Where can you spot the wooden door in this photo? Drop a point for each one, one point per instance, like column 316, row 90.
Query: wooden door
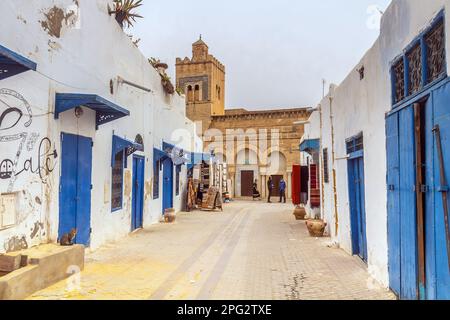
column 247, row 179
column 276, row 185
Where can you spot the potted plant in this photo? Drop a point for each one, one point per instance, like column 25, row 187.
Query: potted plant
column 161, row 67
column 167, row 84
column 316, row 226
column 299, row 212
column 123, row 11
column 170, row 215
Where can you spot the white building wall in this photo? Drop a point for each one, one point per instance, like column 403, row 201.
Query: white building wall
column 360, row 106
column 89, row 52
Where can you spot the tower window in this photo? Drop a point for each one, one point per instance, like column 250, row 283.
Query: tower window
column 197, row 93
column 190, row 95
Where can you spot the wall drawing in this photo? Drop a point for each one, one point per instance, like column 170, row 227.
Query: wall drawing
column 16, row 118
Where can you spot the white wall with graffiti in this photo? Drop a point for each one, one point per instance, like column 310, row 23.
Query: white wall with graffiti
column 78, row 48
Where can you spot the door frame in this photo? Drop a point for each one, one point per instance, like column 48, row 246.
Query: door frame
column 62, row 199
column 355, row 171
column 137, row 195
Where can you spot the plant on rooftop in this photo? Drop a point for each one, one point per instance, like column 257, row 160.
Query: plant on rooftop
column 167, row 84
column 165, row 79
column 123, row 10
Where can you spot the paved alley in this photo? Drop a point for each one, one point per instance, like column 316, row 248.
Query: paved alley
column 250, row 251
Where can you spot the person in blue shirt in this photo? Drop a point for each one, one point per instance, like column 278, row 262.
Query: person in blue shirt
column 282, row 191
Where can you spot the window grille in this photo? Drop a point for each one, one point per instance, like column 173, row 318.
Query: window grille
column 399, row 76
column 117, row 182
column 415, row 70
column 435, row 45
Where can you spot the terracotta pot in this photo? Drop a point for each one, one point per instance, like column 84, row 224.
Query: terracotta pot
column 299, row 213
column 316, row 228
column 169, row 215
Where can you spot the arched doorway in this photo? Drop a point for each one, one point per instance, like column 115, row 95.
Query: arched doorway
column 277, row 169
column 247, row 171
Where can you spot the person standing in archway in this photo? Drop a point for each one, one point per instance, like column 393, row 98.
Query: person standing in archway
column 269, row 188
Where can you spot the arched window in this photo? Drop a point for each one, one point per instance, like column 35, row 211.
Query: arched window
column 197, row 93
column 190, row 94
column 140, row 141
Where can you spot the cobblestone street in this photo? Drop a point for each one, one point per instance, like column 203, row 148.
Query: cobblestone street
column 252, row 250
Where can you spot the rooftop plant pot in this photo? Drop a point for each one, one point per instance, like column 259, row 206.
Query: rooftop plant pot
column 169, row 215
column 161, row 65
column 316, row 227
column 299, row 213
column 168, row 86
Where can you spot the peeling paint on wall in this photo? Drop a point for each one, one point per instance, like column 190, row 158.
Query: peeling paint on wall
column 35, row 230
column 53, row 23
column 56, row 18
column 16, row 244
column 148, row 188
column 128, row 183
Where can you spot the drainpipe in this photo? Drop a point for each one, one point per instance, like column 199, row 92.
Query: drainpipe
column 322, row 185
column 336, row 216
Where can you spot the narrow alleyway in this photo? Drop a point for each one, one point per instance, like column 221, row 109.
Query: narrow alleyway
column 250, row 251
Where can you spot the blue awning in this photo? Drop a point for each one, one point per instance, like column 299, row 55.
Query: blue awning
column 106, row 110
column 310, row 145
column 177, row 155
column 197, row 158
column 158, row 154
column 12, row 63
column 123, row 145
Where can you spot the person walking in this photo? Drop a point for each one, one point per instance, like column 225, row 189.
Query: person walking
column 256, row 194
column 269, row 188
column 282, row 191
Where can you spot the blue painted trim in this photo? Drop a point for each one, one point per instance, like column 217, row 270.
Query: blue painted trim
column 420, row 39
column 357, row 154
column 419, row 95
column 14, row 63
column 423, row 50
column 106, row 111
column 310, row 145
column 406, row 75
column 197, row 158
column 121, row 144
column 158, row 154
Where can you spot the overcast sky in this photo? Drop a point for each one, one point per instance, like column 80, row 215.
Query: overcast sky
column 276, row 51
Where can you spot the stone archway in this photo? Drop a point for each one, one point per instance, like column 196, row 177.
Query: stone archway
column 247, row 171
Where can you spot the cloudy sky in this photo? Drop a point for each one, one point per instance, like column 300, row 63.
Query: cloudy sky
column 276, row 51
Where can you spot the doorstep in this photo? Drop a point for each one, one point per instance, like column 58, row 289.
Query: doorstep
column 47, row 264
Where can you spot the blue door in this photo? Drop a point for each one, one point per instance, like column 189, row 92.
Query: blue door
column 402, row 222
column 436, row 257
column 393, row 202
column 357, row 206
column 137, row 209
column 75, row 187
column 167, row 184
column 402, row 198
